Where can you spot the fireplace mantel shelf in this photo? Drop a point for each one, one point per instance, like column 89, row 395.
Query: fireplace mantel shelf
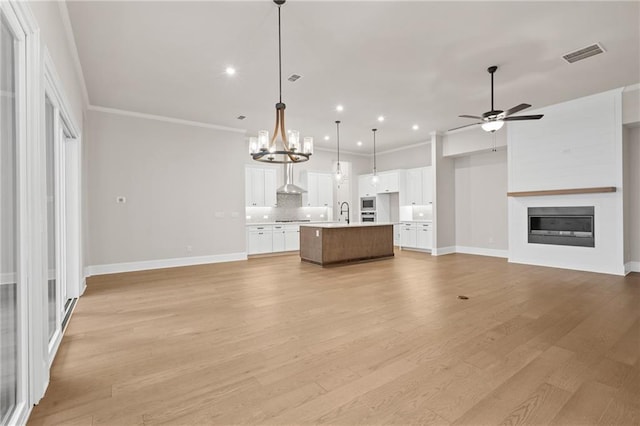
column 569, row 191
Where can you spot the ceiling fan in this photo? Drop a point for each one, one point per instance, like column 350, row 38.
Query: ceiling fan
column 494, row 120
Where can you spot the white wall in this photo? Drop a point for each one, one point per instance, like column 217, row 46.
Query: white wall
column 473, row 140
column 406, row 158
column 175, row 178
column 632, row 196
column 481, row 203
column 578, row 144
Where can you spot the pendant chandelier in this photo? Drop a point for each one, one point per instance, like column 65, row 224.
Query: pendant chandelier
column 287, row 148
column 338, row 170
column 374, row 176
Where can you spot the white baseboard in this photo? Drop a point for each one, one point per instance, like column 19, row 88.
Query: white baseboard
column 443, row 250
column 22, row 414
column 631, row 267
column 582, row 268
column 481, row 251
column 115, row 268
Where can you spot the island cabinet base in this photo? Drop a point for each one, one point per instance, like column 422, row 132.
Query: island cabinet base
column 330, row 246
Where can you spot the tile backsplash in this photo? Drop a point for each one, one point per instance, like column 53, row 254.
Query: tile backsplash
column 272, row 214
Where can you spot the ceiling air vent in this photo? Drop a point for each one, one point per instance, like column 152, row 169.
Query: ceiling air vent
column 241, row 117
column 583, row 53
column 294, row 77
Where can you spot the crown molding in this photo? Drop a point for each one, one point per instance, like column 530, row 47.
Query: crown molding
column 165, row 119
column 402, row 148
column 359, row 154
column 631, row 88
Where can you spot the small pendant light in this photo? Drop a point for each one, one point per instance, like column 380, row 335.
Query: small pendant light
column 339, row 175
column 374, row 177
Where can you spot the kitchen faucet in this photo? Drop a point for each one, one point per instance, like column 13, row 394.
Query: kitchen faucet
column 342, row 211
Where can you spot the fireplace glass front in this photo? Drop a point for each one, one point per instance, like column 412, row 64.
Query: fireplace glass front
column 567, row 226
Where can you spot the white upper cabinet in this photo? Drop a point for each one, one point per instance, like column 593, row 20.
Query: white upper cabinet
column 419, row 188
column 427, row 185
column 319, row 188
column 325, row 190
column 413, row 194
column 365, row 186
column 260, row 187
column 391, row 181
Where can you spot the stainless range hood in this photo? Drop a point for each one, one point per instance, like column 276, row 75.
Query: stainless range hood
column 289, row 187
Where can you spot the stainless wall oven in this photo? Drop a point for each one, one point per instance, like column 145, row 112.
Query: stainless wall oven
column 368, row 204
column 367, row 217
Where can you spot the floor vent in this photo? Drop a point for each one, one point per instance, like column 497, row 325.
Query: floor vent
column 584, row 53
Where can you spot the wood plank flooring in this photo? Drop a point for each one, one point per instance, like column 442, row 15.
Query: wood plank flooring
column 277, row 341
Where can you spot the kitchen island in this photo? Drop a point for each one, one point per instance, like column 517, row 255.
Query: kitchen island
column 334, row 243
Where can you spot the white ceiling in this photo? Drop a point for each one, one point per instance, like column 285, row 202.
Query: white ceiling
column 414, row 62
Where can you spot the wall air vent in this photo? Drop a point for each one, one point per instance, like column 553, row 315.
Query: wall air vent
column 241, row 117
column 294, row 77
column 584, row 53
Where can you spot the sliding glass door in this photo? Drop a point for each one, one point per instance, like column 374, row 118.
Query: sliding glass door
column 12, row 288
column 63, row 270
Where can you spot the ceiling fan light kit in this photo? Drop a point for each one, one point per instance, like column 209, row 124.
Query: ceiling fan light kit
column 494, row 119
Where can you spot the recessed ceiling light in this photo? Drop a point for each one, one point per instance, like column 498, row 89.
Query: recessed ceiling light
column 339, row 108
column 326, row 138
column 359, row 143
column 230, row 71
column 415, row 127
column 381, row 118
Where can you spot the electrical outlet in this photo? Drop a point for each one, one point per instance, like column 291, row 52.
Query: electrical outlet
column 219, row 214
column 189, row 249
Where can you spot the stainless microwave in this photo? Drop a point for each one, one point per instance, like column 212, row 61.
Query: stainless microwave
column 368, row 204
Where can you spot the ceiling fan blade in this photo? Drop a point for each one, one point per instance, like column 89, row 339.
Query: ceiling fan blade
column 471, row 116
column 462, row 127
column 524, row 117
column 515, row 109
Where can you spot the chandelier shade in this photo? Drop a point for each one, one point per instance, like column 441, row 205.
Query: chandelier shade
column 283, row 147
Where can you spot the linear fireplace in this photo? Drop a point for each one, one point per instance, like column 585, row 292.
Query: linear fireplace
column 565, row 226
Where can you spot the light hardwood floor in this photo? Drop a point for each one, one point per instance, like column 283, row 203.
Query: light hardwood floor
column 277, row 341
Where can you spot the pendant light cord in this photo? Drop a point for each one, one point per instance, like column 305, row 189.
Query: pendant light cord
column 375, row 169
column 338, row 139
column 279, row 54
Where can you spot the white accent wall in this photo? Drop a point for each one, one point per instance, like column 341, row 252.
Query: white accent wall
column 175, row 178
column 578, row 144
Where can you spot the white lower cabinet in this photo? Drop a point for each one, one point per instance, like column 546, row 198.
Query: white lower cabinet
column 278, row 238
column 397, row 238
column 272, row 238
column 408, row 235
column 291, row 237
column 424, row 236
column 259, row 239
column 416, row 235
